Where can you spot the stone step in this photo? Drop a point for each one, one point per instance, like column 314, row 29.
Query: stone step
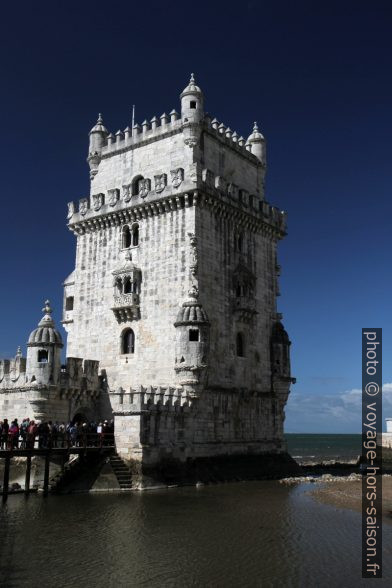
column 122, row 473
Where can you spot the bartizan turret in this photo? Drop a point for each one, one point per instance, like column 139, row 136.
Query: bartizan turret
column 98, row 138
column 192, row 112
column 43, row 363
column 192, row 342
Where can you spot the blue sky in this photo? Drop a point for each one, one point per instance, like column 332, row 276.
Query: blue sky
column 316, row 76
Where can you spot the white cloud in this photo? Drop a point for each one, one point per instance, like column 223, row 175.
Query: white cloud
column 330, row 413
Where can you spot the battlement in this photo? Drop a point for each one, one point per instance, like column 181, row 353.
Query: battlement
column 13, row 371
column 77, row 373
column 142, row 134
column 164, row 126
column 135, row 401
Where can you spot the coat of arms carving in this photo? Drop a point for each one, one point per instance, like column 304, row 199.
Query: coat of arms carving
column 232, row 190
column 113, row 196
column 127, row 192
column 83, row 206
column 144, row 187
column 177, row 176
column 98, row 200
column 71, row 210
column 160, row 182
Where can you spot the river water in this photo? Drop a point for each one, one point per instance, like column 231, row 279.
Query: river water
column 241, row 534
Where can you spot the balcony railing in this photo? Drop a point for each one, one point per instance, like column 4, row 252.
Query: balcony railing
column 126, row 307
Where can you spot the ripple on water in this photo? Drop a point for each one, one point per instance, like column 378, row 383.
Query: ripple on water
column 244, row 534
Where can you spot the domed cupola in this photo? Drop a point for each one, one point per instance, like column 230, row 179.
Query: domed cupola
column 43, row 351
column 98, row 135
column 192, row 342
column 257, row 144
column 191, row 313
column 192, row 103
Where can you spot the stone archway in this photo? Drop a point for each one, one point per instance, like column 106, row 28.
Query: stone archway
column 83, row 415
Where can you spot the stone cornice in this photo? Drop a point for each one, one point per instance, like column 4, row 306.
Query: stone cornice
column 270, row 221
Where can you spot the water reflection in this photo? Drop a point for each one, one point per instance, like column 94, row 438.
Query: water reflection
column 244, row 534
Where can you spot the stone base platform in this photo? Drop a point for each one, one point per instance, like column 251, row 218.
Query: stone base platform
column 214, row 470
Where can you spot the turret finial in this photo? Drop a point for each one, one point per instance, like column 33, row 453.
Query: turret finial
column 19, row 351
column 255, row 127
column 193, row 292
column 47, row 308
column 192, row 80
column 100, row 119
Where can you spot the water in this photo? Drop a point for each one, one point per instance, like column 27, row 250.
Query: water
column 307, row 448
column 243, row 534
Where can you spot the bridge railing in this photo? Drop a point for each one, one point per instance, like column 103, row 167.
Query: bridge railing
column 56, row 441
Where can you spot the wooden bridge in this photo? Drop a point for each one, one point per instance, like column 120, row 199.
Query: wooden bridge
column 90, row 446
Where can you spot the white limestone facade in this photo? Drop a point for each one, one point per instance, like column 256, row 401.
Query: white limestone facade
column 173, row 295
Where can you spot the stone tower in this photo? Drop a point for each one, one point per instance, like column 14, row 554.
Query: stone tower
column 44, row 351
column 175, row 286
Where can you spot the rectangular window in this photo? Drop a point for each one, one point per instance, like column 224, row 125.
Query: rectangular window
column 69, row 303
column 193, row 334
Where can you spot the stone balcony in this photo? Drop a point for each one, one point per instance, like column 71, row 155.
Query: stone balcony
column 126, row 307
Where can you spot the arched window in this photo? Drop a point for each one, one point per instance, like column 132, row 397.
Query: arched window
column 135, row 185
column 193, row 104
column 240, row 345
column 126, row 237
column 127, row 286
column 128, row 341
column 135, row 235
column 42, row 356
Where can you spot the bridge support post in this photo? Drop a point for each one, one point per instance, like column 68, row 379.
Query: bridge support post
column 28, row 473
column 46, row 474
column 6, row 478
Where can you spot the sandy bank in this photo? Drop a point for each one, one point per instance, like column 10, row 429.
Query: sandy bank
column 348, row 494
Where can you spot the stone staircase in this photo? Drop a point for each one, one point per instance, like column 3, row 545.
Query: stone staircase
column 122, row 472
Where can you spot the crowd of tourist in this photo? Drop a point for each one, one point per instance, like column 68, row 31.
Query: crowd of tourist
column 46, row 435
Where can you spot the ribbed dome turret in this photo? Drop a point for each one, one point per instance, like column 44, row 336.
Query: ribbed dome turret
column 191, row 88
column 257, row 143
column 99, row 127
column 256, row 136
column 45, row 333
column 191, row 313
